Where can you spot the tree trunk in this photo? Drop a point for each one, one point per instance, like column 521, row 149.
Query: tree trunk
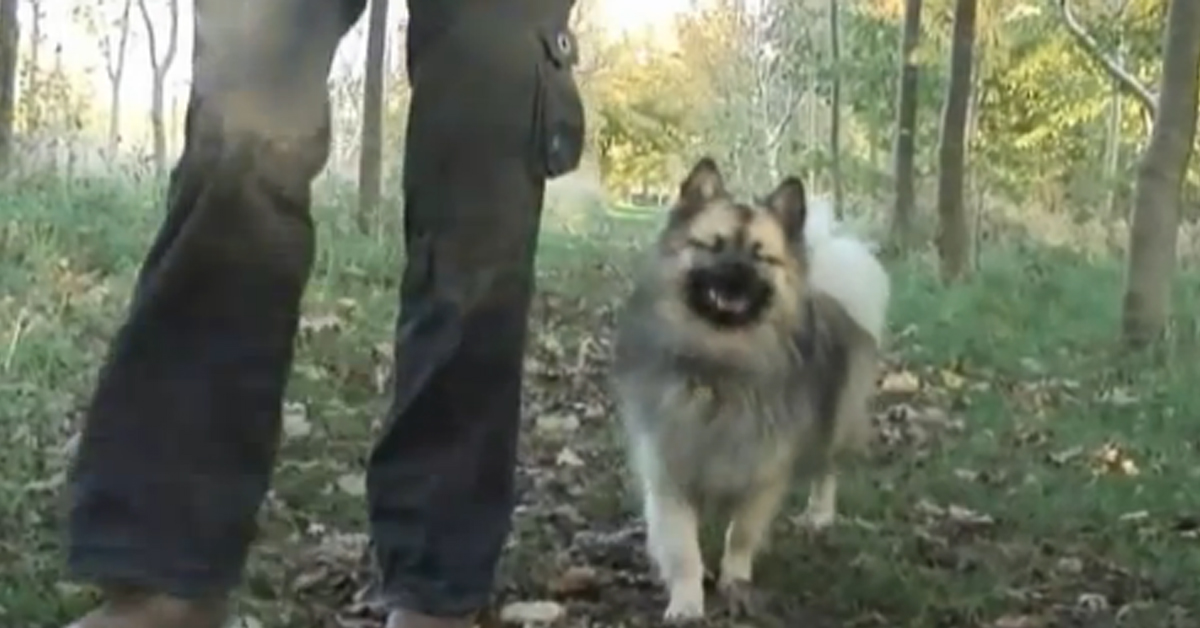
column 904, row 164
column 370, row 155
column 114, row 118
column 10, row 36
column 835, row 108
column 31, row 96
column 159, row 68
column 1152, row 237
column 156, row 123
column 115, row 67
column 954, row 238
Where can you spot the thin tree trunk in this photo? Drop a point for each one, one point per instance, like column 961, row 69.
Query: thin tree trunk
column 1152, row 237
column 31, row 94
column 115, row 68
column 904, row 164
column 954, row 238
column 114, row 118
column 159, row 68
column 370, row 157
column 835, row 111
column 10, row 37
column 157, row 125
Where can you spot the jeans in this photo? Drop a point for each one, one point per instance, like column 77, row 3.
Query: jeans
column 179, row 440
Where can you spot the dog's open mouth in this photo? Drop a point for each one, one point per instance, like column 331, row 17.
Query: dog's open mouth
column 728, row 297
column 734, row 304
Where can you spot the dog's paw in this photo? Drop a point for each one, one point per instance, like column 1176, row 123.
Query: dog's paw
column 817, row 519
column 685, row 606
column 741, row 598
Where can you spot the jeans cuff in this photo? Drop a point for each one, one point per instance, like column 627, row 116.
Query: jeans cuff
column 105, row 564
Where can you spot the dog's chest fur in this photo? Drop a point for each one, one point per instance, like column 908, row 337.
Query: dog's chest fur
column 716, row 439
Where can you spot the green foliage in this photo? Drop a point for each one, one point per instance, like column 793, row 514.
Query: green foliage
column 641, row 103
column 1039, row 121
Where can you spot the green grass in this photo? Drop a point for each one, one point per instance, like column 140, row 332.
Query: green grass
column 1022, row 356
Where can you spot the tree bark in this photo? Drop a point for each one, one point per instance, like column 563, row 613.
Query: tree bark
column 1152, row 237
column 115, row 68
column 31, row 92
column 370, row 155
column 10, row 36
column 954, row 238
column 904, row 159
column 835, row 114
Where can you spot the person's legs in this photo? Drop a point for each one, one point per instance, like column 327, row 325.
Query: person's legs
column 179, row 440
column 495, row 112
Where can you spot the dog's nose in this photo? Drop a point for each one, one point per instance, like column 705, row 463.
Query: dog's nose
column 736, row 271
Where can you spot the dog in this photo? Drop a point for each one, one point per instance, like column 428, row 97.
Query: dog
column 745, row 355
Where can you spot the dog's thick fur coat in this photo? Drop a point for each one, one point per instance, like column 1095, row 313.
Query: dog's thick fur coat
column 746, row 354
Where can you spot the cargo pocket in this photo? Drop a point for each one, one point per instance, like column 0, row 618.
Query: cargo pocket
column 558, row 109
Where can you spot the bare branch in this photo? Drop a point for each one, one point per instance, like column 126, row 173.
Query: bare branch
column 153, row 45
column 115, row 63
column 1144, row 95
column 789, row 113
column 173, row 37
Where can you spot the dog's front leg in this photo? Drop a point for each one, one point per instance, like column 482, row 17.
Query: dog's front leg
column 747, row 530
column 672, row 538
column 821, row 511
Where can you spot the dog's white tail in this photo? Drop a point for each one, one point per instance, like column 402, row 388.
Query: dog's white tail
column 845, row 267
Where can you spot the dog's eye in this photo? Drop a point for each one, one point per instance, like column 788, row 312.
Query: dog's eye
column 716, row 246
column 756, row 251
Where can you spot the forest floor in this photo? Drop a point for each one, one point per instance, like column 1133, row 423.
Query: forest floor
column 1023, row 474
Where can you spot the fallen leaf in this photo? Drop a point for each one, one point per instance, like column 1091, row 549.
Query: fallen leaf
column 559, row 423
column 575, row 580
column 1137, row 515
column 1061, row 458
column 1033, row 366
column 352, row 484
column 900, row 382
column 1111, row 458
column 532, row 613
column 568, row 458
column 244, row 621
column 1018, row 621
column 1118, row 397
column 295, row 420
column 1092, row 602
column 966, row 516
column 1070, row 565
column 51, row 483
column 966, row 475
column 952, row 380
column 317, row 324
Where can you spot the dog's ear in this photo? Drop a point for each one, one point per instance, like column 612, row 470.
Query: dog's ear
column 788, row 204
column 703, row 183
